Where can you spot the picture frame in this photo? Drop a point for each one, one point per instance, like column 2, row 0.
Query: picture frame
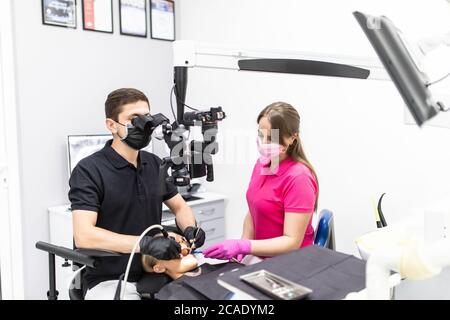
column 59, row 13
column 162, row 20
column 133, row 18
column 98, row 15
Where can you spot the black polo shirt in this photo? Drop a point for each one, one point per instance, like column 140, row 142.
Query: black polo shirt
column 127, row 200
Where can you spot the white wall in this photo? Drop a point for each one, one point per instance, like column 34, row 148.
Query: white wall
column 353, row 130
column 323, row 26
column 63, row 77
column 11, row 213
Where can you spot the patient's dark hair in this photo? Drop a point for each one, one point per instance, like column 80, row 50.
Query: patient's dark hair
column 148, row 261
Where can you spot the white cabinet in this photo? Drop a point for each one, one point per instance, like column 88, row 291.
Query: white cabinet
column 209, row 215
column 209, row 212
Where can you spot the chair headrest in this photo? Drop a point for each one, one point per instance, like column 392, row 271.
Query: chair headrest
column 150, row 284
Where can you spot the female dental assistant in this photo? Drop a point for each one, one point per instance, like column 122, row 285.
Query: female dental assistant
column 282, row 194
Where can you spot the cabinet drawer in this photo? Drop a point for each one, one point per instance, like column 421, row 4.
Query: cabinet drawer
column 208, row 211
column 213, row 228
column 167, row 216
column 210, row 242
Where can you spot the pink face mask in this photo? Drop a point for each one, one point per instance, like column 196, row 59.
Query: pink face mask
column 267, row 151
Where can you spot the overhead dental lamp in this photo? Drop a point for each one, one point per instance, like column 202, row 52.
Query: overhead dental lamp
column 402, row 66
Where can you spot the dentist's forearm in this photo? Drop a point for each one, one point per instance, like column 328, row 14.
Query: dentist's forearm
column 102, row 239
column 185, row 217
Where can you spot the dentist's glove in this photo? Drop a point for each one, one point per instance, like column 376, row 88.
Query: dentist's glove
column 195, row 235
column 228, row 249
column 161, row 248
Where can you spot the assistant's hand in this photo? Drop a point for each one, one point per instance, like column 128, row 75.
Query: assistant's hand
column 161, row 248
column 240, row 257
column 196, row 235
column 228, row 249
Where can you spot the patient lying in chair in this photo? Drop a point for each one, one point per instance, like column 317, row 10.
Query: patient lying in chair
column 174, row 268
column 191, row 277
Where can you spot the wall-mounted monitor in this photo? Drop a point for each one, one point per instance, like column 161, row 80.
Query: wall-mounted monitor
column 81, row 146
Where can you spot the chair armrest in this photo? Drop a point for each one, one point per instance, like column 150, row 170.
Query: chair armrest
column 96, row 253
column 86, row 257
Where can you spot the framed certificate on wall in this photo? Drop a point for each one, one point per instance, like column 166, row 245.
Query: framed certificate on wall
column 98, row 15
column 62, row 13
column 162, row 19
column 133, row 17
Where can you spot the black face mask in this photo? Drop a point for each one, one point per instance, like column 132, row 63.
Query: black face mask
column 138, row 132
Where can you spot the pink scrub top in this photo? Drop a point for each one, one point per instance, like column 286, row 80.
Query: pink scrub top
column 292, row 188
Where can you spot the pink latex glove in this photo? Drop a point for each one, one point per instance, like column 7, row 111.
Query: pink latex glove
column 240, row 257
column 228, row 249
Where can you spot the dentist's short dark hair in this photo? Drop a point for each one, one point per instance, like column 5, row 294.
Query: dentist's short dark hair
column 120, row 97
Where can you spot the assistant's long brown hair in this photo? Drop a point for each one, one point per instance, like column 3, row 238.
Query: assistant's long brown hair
column 285, row 118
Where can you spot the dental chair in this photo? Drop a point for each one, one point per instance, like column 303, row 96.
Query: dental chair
column 324, row 233
column 148, row 285
column 80, row 258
